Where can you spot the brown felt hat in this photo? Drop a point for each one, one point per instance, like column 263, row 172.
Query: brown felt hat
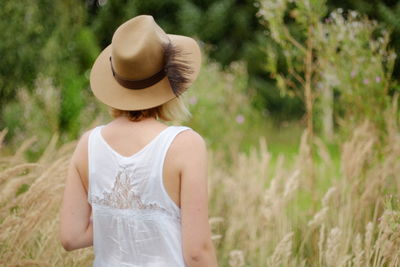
column 144, row 67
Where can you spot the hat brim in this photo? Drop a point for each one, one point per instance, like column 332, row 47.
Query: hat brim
column 111, row 93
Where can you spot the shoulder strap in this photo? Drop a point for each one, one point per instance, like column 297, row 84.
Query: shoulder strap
column 170, row 137
column 158, row 157
column 167, row 141
column 159, row 148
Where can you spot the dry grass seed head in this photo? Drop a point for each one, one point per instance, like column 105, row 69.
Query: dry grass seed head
column 282, row 251
column 333, row 244
column 236, row 258
column 319, row 217
column 358, row 260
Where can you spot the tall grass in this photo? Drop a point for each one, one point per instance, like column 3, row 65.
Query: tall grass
column 314, row 208
column 278, row 218
column 262, row 214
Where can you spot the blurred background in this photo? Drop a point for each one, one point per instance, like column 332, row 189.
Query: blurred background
column 298, row 97
column 48, row 48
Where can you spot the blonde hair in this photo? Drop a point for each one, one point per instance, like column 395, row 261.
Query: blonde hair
column 173, row 110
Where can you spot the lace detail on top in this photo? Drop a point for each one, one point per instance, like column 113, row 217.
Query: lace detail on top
column 124, row 194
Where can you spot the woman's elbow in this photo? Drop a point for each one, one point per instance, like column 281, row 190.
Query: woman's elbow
column 71, row 239
column 67, row 243
column 70, row 243
column 203, row 255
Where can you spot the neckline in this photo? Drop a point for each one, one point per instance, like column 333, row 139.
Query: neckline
column 136, row 153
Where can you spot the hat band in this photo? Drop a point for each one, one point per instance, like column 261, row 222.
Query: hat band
column 138, row 84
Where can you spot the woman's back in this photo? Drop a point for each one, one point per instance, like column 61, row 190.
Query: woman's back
column 135, row 221
column 147, row 200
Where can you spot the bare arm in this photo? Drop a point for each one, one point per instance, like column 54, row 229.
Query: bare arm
column 75, row 226
column 198, row 248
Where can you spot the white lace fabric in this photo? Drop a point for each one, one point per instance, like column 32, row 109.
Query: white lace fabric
column 135, row 222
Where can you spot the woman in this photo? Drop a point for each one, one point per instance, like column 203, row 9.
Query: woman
column 136, row 189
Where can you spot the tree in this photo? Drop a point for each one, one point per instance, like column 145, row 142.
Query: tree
column 345, row 53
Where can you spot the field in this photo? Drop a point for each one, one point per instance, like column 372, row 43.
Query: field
column 305, row 205
column 298, row 104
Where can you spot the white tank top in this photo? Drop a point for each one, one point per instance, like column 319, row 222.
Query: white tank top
column 135, row 222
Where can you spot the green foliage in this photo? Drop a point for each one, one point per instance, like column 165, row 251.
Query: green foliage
column 39, row 37
column 24, row 31
column 41, row 112
column 72, row 101
column 385, row 11
column 86, row 48
column 223, row 114
column 221, row 109
column 45, row 38
column 11, row 115
column 356, row 61
column 227, row 38
column 209, row 21
column 61, row 39
column 345, row 55
column 37, row 115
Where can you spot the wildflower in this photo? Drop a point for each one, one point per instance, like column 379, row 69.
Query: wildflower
column 377, row 79
column 240, row 119
column 353, row 14
column 353, row 74
column 366, row 81
column 193, row 100
column 102, row 2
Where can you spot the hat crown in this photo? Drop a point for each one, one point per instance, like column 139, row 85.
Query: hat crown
column 137, row 48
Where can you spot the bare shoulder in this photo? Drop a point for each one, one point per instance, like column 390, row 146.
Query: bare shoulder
column 188, row 146
column 188, row 151
column 189, row 141
column 84, row 139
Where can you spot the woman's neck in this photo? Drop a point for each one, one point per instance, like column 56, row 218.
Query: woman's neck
column 126, row 120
